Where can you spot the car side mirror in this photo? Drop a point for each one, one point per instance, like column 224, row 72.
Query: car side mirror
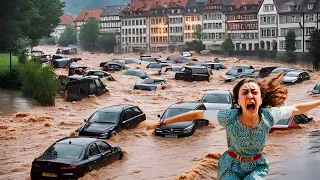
column 85, row 120
column 159, row 116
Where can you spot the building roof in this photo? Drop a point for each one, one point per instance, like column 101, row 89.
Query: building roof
column 67, row 19
column 239, row 3
column 146, row 5
column 113, row 10
column 89, row 13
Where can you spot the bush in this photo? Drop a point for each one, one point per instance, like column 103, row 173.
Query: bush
column 262, row 53
column 10, row 79
column 69, row 36
column 195, row 45
column 39, row 82
column 22, row 55
column 106, row 43
column 48, row 41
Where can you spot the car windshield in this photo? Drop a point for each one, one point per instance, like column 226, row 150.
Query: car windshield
column 283, row 122
column 136, row 73
column 292, row 74
column 317, row 87
column 154, row 65
column 173, row 112
column 216, row 98
column 64, row 151
column 104, row 117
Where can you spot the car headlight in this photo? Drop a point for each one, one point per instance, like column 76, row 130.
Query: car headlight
column 104, row 135
column 188, row 129
column 158, row 130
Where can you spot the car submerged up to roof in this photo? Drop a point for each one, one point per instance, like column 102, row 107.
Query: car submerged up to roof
column 127, row 60
column 237, row 72
column 78, row 87
column 293, row 77
column 211, row 65
column 73, row 157
column 137, row 72
column 113, row 66
column 100, row 74
column 150, row 84
column 194, row 73
column 291, row 123
column 316, row 89
column 218, row 100
column 108, row 120
column 62, row 62
column 180, row 129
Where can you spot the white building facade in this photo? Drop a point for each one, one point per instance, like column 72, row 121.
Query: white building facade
column 268, row 25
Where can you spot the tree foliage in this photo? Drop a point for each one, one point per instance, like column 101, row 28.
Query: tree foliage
column 195, row 45
column 198, row 33
column 89, row 34
column 69, row 36
column 227, row 46
column 33, row 19
column 314, row 48
column 290, row 41
column 106, row 43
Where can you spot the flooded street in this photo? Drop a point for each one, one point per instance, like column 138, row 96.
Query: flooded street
column 27, row 134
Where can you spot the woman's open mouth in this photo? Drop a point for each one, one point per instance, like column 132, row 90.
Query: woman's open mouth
column 251, row 107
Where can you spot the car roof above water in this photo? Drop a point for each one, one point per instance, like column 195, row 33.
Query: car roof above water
column 77, row 140
column 218, row 92
column 186, row 105
column 116, row 108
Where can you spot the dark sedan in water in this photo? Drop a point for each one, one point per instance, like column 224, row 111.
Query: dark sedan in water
column 109, row 120
column 180, row 129
column 72, row 157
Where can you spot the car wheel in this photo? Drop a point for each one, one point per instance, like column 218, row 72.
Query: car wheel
column 207, row 123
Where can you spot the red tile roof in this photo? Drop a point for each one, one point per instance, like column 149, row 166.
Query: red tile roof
column 67, row 19
column 89, row 13
column 145, row 5
column 239, row 3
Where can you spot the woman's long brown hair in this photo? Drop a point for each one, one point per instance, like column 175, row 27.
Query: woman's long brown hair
column 272, row 92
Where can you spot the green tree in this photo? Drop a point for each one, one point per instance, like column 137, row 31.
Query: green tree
column 314, row 47
column 195, row 45
column 290, row 41
column 198, row 33
column 32, row 19
column 106, row 43
column 69, row 36
column 227, row 46
column 89, row 34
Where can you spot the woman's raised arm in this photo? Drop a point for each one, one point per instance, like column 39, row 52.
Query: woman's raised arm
column 304, row 107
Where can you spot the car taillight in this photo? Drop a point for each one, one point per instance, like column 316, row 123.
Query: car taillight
column 69, row 167
column 35, row 165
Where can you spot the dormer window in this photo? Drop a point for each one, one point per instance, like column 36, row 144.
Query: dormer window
column 188, row 10
column 245, row 8
column 288, row 8
column 194, row 10
column 310, row 6
column 178, row 10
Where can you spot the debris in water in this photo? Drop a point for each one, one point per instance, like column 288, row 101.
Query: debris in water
column 22, row 114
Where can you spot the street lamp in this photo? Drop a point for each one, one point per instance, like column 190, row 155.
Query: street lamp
column 11, row 50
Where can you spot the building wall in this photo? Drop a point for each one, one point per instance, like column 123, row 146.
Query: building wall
column 58, row 31
column 176, row 30
column 110, row 25
column 190, row 24
column 214, row 29
column 158, row 37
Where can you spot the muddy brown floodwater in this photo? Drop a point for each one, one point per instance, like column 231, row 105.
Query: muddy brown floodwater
column 26, row 135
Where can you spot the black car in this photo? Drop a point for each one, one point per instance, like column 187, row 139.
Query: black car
column 72, row 157
column 150, row 84
column 180, row 129
column 316, row 89
column 193, row 73
column 113, row 66
column 77, row 87
column 218, row 100
column 107, row 121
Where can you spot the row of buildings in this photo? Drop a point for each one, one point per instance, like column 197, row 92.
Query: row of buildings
column 156, row 25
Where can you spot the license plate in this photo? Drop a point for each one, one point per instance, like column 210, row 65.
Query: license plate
column 171, row 136
column 49, row 174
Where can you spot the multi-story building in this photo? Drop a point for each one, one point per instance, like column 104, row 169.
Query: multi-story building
column 175, row 24
column 134, row 27
column 214, row 23
column 242, row 24
column 301, row 17
column 110, row 23
column 85, row 15
column 268, row 25
column 65, row 20
column 192, row 18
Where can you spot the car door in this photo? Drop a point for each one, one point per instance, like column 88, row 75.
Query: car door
column 201, row 122
column 139, row 116
column 107, row 155
column 128, row 117
column 94, row 157
column 188, row 76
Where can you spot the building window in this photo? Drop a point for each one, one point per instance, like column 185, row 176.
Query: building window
column 282, row 45
column 298, row 44
column 310, row 6
column 288, row 8
column 309, row 30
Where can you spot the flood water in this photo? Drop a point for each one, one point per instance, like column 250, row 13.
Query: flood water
column 12, row 101
column 29, row 133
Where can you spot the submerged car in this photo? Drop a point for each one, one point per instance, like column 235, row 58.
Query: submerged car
column 293, row 77
column 316, row 89
column 127, row 60
column 291, row 123
column 62, row 62
column 136, row 72
column 179, row 59
column 77, row 87
column 113, row 66
column 158, row 66
column 150, row 84
column 100, row 74
column 186, row 54
column 181, row 129
column 193, row 73
column 237, row 72
column 72, row 157
column 107, row 121
column 279, row 69
column 76, row 68
column 211, row 65
column 218, row 100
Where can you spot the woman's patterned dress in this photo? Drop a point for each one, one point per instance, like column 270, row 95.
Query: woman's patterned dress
column 246, row 141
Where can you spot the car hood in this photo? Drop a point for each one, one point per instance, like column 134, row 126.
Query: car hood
column 315, row 91
column 97, row 127
column 289, row 79
column 179, row 125
column 217, row 106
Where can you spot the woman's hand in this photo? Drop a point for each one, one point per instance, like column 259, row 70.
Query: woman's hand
column 149, row 124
